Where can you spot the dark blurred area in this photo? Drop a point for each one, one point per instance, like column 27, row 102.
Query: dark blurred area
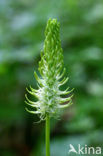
column 22, row 25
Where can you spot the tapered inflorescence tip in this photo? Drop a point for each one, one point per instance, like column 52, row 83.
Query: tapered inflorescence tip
column 50, row 98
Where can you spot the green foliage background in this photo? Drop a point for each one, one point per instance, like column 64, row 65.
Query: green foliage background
column 22, row 25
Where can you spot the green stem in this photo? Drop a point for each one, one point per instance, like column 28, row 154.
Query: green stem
column 47, row 134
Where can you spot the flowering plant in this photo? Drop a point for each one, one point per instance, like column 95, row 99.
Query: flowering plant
column 50, row 98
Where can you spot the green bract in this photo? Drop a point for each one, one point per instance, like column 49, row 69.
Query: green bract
column 49, row 96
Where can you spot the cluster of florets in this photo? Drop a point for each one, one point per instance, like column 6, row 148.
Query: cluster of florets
column 49, row 96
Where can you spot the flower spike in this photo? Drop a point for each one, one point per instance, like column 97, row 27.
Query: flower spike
column 50, row 98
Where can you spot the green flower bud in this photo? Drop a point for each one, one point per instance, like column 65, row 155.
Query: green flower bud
column 49, row 96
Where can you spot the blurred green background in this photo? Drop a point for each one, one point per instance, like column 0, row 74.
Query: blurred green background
column 22, row 25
